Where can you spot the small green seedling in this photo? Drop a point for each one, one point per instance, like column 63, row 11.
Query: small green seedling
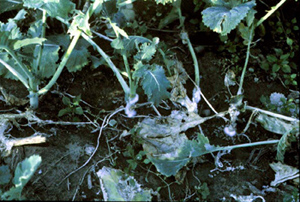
column 72, row 108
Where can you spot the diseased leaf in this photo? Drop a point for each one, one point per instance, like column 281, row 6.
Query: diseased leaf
column 166, row 146
column 276, row 125
column 223, row 19
column 155, row 84
column 117, row 186
column 283, row 173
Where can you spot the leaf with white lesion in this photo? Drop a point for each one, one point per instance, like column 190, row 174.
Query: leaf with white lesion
column 283, row 173
column 223, row 19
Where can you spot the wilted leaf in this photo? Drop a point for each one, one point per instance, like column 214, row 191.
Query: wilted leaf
column 283, row 173
column 117, row 186
column 166, row 146
column 275, row 125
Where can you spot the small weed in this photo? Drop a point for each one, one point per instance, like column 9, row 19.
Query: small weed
column 72, row 108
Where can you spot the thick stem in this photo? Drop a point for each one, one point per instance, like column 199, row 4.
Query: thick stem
column 44, row 18
column 62, row 63
column 131, row 83
column 110, row 63
column 196, row 66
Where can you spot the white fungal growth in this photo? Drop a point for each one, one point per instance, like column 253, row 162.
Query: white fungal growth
column 230, row 131
column 131, row 102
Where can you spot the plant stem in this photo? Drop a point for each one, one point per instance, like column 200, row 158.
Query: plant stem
column 246, row 62
column 23, row 68
column 270, row 12
column 110, row 63
column 196, row 66
column 165, row 60
column 242, row 145
column 272, row 114
column 131, row 83
column 15, row 73
column 62, row 63
column 44, row 18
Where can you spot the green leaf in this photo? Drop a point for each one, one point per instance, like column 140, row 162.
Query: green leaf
column 80, row 21
column 66, row 101
column 117, row 43
column 222, row 19
column 5, row 72
column 79, row 56
column 78, row 59
column 8, row 5
column 271, row 58
column 155, row 84
column 146, row 52
column 286, row 69
column 24, row 171
column 275, row 68
column 25, row 42
column 35, row 29
column 48, row 64
column 118, row 30
column 117, row 186
column 78, row 110
column 283, row 144
column 54, row 8
column 131, row 44
column 289, row 41
column 164, row 1
column 64, row 111
column 33, row 3
column 285, row 56
column 5, row 175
